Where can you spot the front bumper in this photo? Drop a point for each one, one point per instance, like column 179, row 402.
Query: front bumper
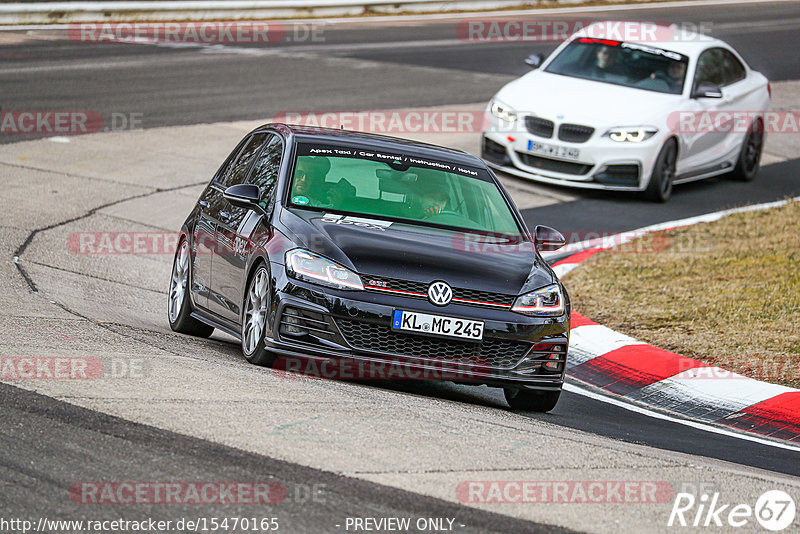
column 601, row 164
column 347, row 335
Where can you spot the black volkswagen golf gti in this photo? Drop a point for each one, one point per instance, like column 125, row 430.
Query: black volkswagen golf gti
column 330, row 246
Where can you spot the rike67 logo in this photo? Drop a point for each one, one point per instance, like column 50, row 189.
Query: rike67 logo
column 774, row 511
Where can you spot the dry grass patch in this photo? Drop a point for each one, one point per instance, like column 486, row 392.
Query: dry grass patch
column 726, row 293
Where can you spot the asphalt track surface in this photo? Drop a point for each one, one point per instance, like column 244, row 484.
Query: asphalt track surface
column 60, row 438
column 353, row 69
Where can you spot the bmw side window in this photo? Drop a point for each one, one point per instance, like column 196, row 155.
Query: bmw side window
column 265, row 170
column 238, row 171
column 733, row 68
column 709, row 68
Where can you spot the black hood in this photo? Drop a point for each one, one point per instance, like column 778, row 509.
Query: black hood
column 419, row 253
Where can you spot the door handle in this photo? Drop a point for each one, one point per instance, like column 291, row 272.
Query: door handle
column 204, row 203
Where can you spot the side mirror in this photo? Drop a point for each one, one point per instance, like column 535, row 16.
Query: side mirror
column 534, row 61
column 707, row 90
column 547, row 239
column 243, row 196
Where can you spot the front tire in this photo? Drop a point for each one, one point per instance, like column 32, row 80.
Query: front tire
column 255, row 310
column 749, row 162
column 660, row 187
column 179, row 312
column 528, row 400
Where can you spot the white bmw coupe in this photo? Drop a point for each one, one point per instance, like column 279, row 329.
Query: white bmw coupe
column 635, row 116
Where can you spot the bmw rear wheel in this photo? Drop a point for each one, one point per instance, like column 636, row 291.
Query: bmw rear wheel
column 749, row 161
column 180, row 306
column 528, row 400
column 254, row 318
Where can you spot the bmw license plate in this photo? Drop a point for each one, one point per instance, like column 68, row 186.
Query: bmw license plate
column 438, row 325
column 556, row 151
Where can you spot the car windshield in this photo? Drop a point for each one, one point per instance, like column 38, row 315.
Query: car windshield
column 632, row 65
column 399, row 186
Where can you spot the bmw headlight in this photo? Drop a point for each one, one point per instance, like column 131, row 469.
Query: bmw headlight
column 635, row 134
column 305, row 265
column 545, row 302
column 501, row 111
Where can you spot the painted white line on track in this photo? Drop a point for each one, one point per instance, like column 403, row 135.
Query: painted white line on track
column 686, row 422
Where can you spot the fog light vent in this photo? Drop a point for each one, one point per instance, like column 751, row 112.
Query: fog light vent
column 290, row 322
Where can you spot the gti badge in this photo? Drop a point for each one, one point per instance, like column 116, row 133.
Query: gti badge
column 439, row 293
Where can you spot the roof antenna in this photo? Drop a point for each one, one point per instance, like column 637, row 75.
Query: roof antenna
column 341, row 126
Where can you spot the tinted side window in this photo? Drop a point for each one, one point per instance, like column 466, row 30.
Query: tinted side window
column 733, row 68
column 265, row 170
column 238, row 171
column 225, row 168
column 709, row 68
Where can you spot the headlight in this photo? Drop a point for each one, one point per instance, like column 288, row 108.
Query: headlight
column 545, row 302
column 501, row 111
column 305, row 265
column 635, row 134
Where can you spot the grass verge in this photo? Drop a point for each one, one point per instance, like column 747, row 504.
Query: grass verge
column 726, row 292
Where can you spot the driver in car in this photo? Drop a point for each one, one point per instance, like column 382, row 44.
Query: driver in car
column 310, row 182
column 673, row 76
column 605, row 63
column 431, row 195
column 434, row 202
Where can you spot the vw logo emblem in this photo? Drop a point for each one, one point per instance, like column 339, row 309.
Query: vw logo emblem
column 440, row 294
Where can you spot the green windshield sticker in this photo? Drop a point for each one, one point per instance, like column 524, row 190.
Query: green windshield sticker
column 302, row 201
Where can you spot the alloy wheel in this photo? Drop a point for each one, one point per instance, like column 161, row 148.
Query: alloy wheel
column 668, row 170
column 179, row 281
column 752, row 150
column 255, row 316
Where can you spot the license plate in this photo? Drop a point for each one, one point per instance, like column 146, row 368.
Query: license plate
column 555, row 151
column 437, row 325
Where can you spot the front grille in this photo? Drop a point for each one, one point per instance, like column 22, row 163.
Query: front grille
column 540, row 127
column 371, row 337
column 575, row 133
column 421, row 290
column 483, row 296
column 555, row 165
column 396, row 284
column 622, row 174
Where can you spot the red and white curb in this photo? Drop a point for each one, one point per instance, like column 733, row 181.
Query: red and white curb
column 622, row 367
